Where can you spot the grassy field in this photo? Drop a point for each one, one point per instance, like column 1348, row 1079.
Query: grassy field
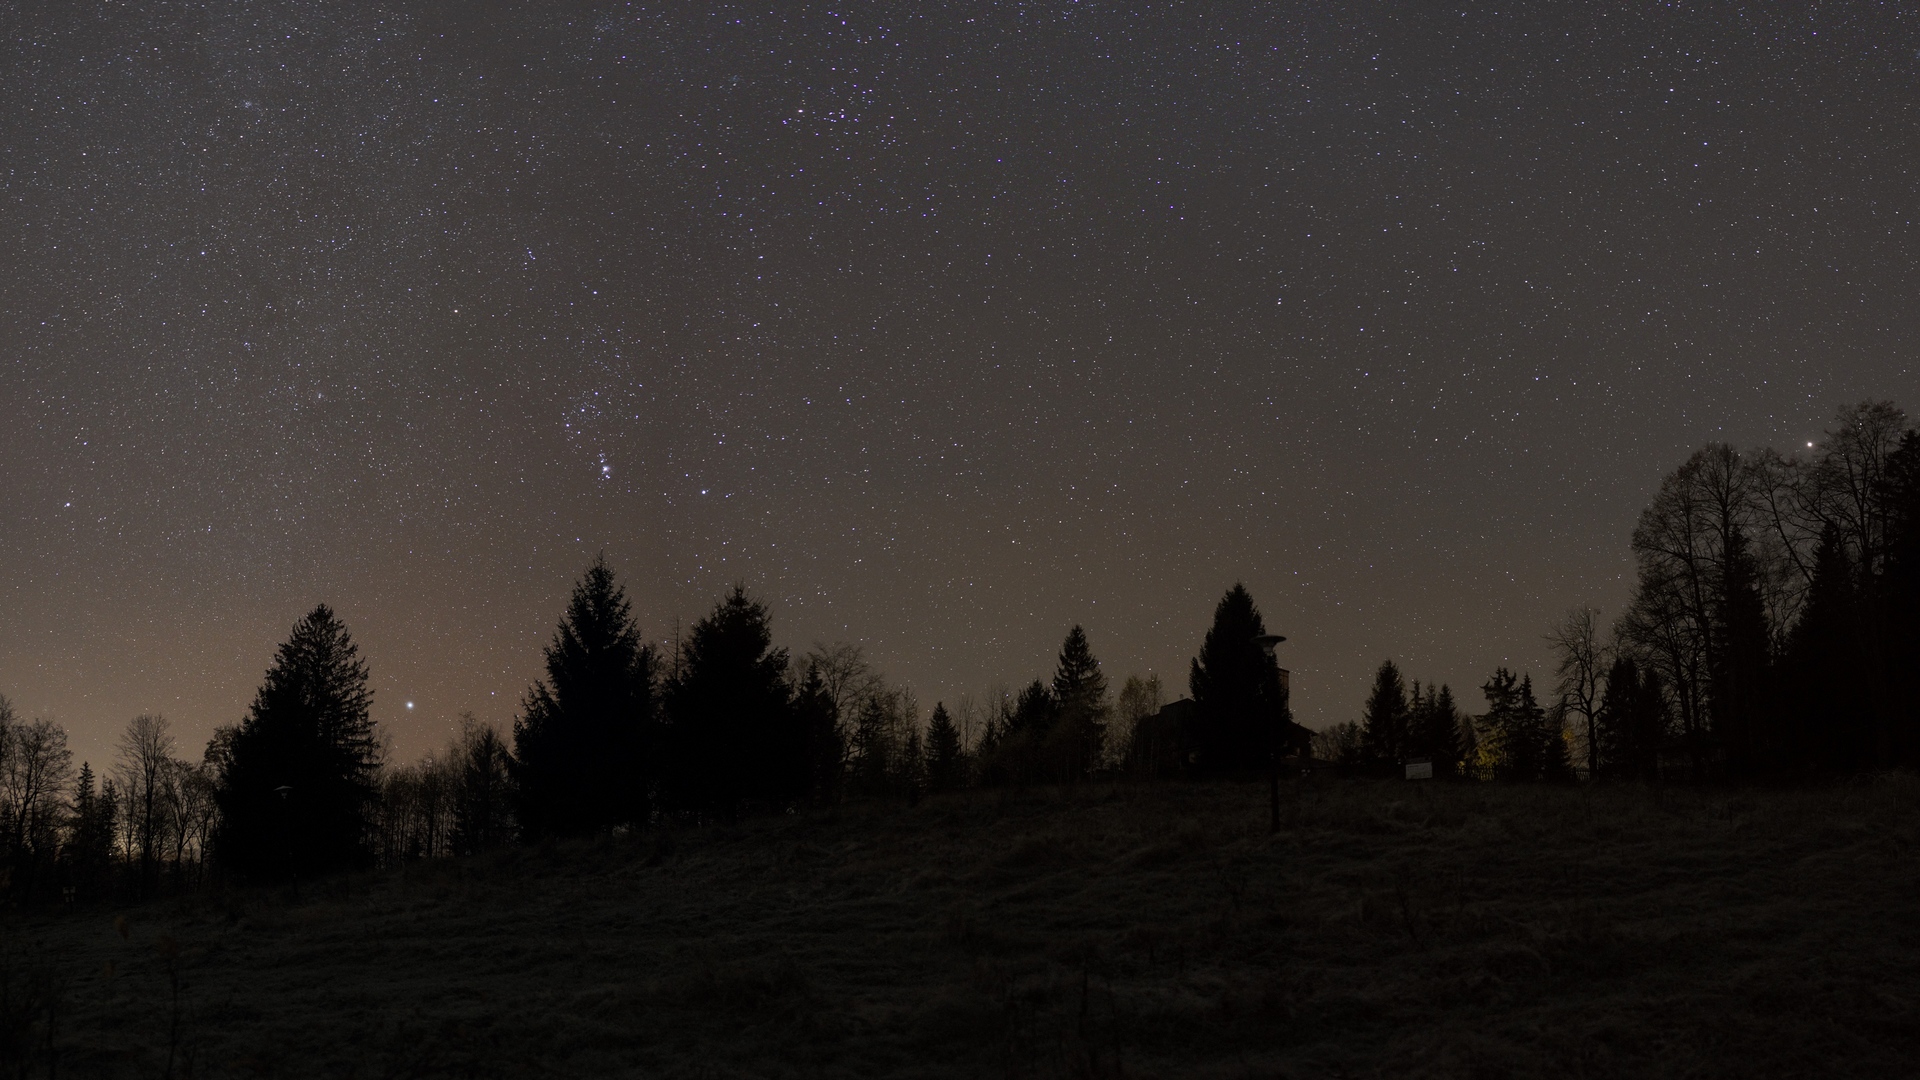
column 1389, row 930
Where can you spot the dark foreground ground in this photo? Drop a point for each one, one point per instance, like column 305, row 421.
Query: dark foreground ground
column 1390, row 930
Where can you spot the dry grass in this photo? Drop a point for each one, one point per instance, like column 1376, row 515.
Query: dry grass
column 1391, row 929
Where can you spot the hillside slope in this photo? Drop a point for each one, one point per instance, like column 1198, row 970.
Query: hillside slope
column 1391, row 929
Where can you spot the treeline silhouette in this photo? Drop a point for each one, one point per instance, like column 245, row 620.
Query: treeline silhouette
column 619, row 735
column 1775, row 614
column 1774, row 621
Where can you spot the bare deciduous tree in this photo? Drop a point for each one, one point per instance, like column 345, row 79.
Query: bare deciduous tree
column 849, row 679
column 35, row 771
column 1582, row 665
column 979, row 715
column 1706, row 508
column 190, row 815
column 146, row 756
column 1139, row 699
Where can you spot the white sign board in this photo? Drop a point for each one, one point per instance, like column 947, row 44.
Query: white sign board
column 1420, row 770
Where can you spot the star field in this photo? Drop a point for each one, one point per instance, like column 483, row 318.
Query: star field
column 943, row 328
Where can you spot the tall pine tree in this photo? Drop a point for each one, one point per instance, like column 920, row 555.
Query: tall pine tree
column 1824, row 671
column 1383, row 730
column 1433, row 729
column 299, row 781
column 735, row 737
column 89, row 849
column 584, row 740
column 1238, row 703
column 825, row 745
column 1519, row 740
column 482, row 783
column 1631, row 725
column 1034, row 712
column 913, row 766
column 944, row 761
column 875, row 755
column 1080, row 694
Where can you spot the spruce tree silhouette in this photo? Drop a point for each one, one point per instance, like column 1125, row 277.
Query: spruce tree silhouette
column 1016, row 752
column 1384, row 725
column 1823, row 668
column 1450, row 735
column 913, row 766
column 1509, row 752
column 482, row 789
column 1034, row 712
column 874, row 758
column 1433, row 729
column 1080, row 698
column 1632, row 722
column 309, row 731
column 583, row 742
column 944, row 761
column 735, row 736
column 825, row 745
column 1522, row 742
column 88, row 851
column 1236, row 691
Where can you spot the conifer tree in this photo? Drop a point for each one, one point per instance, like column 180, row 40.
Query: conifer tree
column 482, row 789
column 113, row 813
column 1034, row 712
column 1384, row 726
column 1416, row 719
column 584, row 742
column 1631, row 722
column 825, row 745
column 872, row 746
column 85, row 807
column 1518, row 741
column 1080, row 697
column 1433, row 729
column 944, row 762
column 1236, row 691
column 1824, row 670
column 1450, row 737
column 735, row 737
column 913, row 766
column 300, row 780
column 1556, row 758
column 89, row 848
column 1021, row 746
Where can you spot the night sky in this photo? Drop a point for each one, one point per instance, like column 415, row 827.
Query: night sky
column 942, row 328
